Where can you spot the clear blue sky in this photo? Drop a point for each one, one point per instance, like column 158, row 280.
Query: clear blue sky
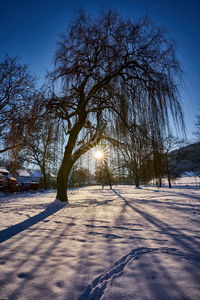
column 30, row 29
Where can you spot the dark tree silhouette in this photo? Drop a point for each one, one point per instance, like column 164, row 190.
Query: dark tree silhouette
column 109, row 68
column 136, row 150
column 43, row 146
column 16, row 103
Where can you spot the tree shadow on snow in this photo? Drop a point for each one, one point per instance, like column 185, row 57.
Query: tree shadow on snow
column 17, row 228
column 177, row 235
column 144, row 264
column 171, row 191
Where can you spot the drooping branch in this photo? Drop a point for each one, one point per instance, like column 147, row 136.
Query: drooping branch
column 117, row 72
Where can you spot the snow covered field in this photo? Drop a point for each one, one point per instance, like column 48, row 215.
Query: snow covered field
column 124, row 243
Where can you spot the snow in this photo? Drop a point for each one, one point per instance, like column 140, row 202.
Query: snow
column 3, row 170
column 24, row 173
column 124, row 243
column 36, row 174
column 187, row 181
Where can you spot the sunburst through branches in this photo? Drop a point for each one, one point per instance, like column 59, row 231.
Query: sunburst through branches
column 100, row 153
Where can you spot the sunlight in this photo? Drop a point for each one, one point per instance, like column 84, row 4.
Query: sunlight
column 98, row 154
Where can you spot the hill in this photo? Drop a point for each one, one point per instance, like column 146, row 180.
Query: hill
column 186, row 160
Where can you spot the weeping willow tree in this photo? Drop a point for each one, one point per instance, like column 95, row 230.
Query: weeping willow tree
column 107, row 69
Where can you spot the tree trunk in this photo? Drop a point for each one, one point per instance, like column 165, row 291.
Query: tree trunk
column 137, row 181
column 62, row 180
column 108, row 174
column 159, row 182
column 167, row 167
column 169, row 180
column 43, row 171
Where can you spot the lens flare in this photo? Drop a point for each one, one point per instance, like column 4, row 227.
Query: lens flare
column 98, row 154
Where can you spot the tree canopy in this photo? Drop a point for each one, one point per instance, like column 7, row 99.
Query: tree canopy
column 17, row 88
column 111, row 70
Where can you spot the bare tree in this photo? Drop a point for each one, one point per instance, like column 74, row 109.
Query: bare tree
column 136, row 150
column 16, row 103
column 110, row 68
column 42, row 147
column 170, row 144
column 80, row 176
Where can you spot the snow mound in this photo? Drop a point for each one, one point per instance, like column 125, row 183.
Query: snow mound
column 58, row 203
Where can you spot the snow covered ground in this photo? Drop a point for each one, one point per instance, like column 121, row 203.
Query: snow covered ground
column 124, row 243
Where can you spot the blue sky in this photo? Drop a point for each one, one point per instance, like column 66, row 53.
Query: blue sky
column 30, row 29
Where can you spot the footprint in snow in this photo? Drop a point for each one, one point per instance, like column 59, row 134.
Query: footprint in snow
column 25, row 275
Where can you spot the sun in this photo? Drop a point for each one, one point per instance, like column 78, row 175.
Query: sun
column 98, row 154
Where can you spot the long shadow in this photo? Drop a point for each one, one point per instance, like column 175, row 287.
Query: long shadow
column 173, row 192
column 177, row 235
column 48, row 242
column 184, row 195
column 17, row 228
column 168, row 203
column 99, row 285
column 96, row 288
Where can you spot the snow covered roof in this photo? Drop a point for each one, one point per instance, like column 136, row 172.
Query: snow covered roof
column 36, row 173
column 24, row 173
column 12, row 178
column 53, row 175
column 3, row 170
